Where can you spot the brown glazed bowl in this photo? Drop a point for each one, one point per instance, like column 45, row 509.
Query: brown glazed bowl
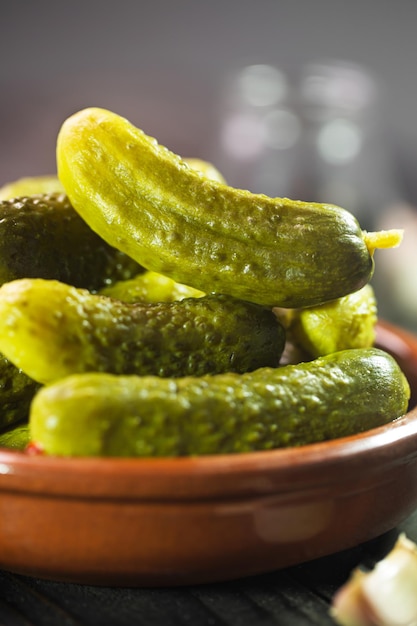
column 167, row 522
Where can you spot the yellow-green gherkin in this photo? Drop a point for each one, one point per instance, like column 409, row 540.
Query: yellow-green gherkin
column 51, row 330
column 149, row 203
column 332, row 396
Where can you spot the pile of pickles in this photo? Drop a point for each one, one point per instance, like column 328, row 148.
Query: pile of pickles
column 102, row 355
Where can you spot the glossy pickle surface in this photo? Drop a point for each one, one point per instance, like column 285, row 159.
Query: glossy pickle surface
column 42, row 236
column 51, row 329
column 103, row 415
column 145, row 200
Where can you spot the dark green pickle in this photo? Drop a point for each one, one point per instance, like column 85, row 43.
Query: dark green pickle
column 333, row 396
column 16, row 393
column 42, row 236
column 51, row 330
column 16, row 437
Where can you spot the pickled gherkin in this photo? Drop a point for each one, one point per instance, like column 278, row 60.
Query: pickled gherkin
column 16, row 393
column 147, row 201
column 17, row 437
column 348, row 322
column 150, row 287
column 51, row 330
column 50, row 183
column 31, row 186
column 42, row 236
column 97, row 414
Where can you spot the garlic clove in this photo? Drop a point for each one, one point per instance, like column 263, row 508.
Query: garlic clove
column 384, row 596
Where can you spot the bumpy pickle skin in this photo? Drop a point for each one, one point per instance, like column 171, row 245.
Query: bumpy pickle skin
column 42, row 236
column 16, row 437
column 348, row 322
column 16, row 393
column 129, row 416
column 30, row 186
column 51, row 330
column 148, row 202
column 50, row 183
column 150, row 287
column 208, row 169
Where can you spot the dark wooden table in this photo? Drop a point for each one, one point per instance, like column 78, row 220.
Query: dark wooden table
column 297, row 596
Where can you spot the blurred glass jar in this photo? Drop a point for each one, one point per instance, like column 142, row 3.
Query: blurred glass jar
column 344, row 157
column 258, row 130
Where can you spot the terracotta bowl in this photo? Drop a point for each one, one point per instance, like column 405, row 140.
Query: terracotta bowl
column 186, row 521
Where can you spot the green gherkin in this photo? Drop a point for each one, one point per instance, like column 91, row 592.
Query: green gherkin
column 150, row 287
column 42, row 236
column 348, row 322
column 147, row 201
column 16, row 393
column 51, row 330
column 30, row 186
column 103, row 415
column 17, row 437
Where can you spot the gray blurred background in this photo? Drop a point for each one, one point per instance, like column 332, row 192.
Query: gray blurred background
column 173, row 68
